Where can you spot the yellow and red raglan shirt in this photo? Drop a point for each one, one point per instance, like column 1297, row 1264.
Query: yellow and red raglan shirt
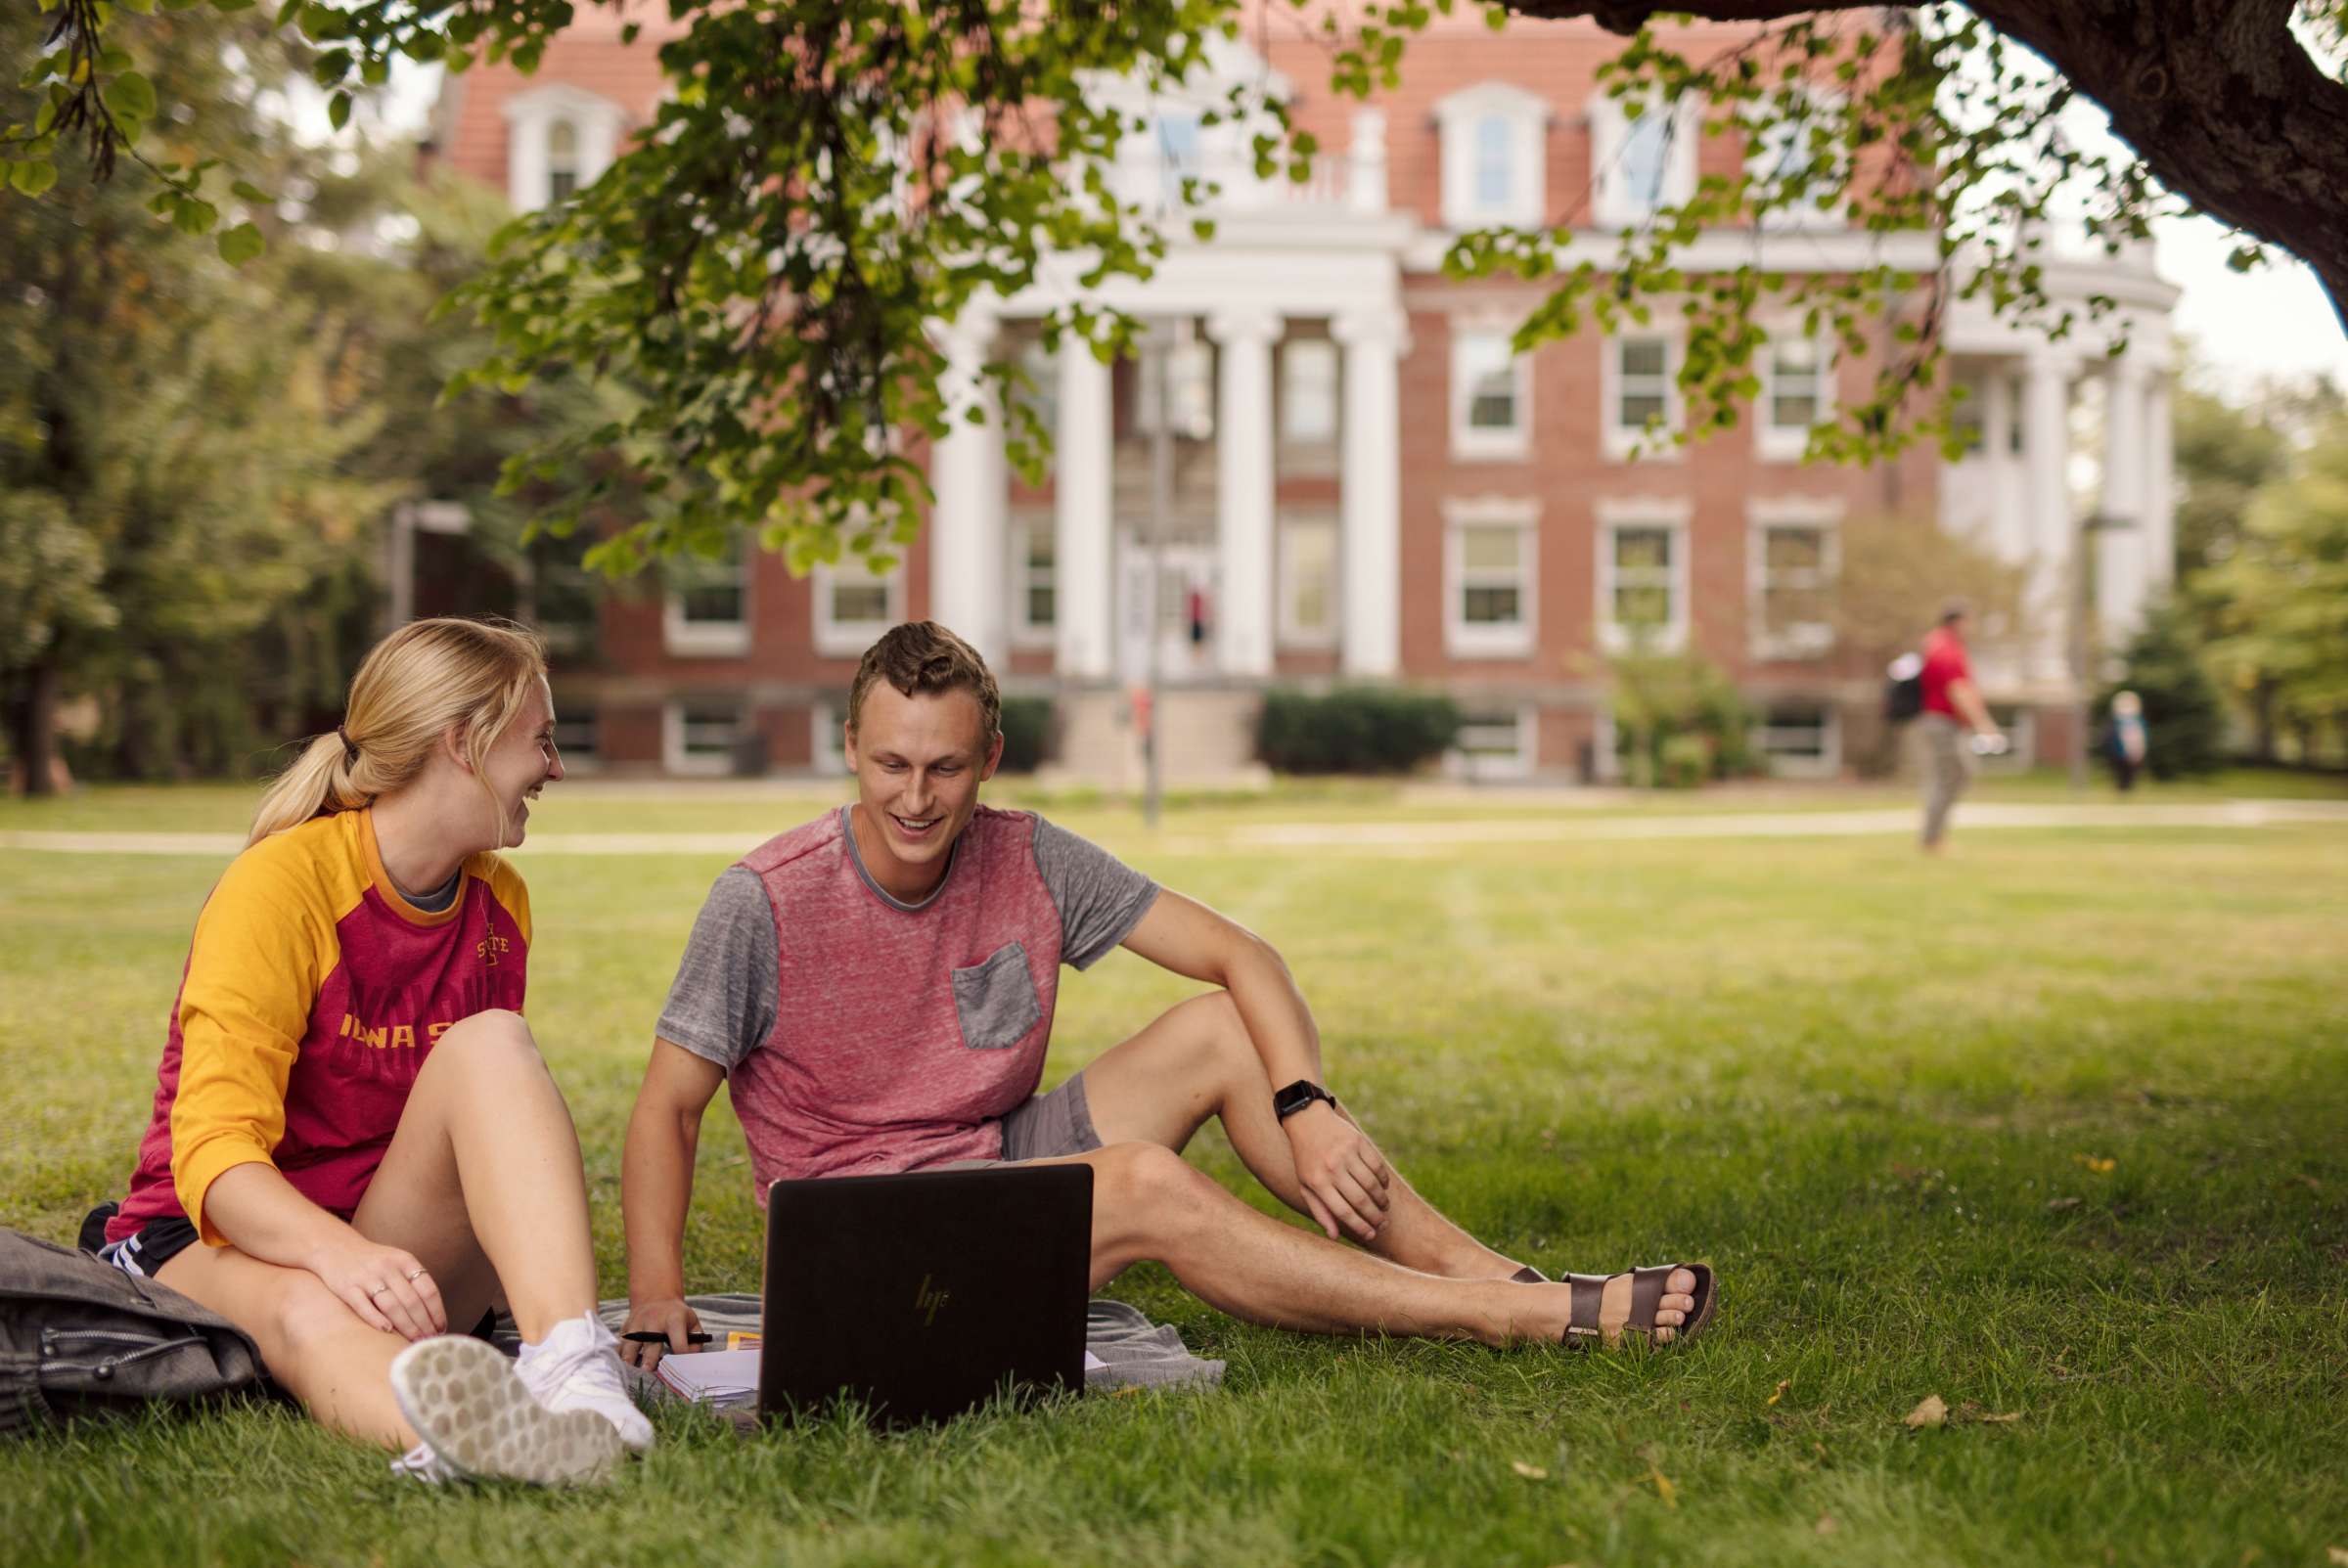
column 312, row 995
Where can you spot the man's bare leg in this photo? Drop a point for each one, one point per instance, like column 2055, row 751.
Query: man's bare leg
column 1196, row 1061
column 1150, row 1203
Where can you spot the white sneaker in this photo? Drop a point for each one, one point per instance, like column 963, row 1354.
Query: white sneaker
column 479, row 1421
column 577, row 1368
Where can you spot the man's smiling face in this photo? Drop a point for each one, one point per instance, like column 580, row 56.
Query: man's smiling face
column 919, row 761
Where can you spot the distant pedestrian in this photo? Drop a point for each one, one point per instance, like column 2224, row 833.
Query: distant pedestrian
column 2127, row 740
column 1952, row 706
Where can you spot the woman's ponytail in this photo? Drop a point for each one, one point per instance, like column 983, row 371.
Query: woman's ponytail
column 417, row 682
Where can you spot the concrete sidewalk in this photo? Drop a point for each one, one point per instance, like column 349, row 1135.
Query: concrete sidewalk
column 1401, row 838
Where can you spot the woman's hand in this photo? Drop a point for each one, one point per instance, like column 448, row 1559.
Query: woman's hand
column 666, row 1315
column 385, row 1286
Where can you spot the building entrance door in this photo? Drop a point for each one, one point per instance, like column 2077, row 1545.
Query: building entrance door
column 1185, row 620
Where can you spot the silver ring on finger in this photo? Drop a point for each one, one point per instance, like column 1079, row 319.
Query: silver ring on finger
column 374, row 1291
column 415, row 1274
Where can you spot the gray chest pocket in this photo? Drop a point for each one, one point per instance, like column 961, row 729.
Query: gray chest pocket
column 995, row 1000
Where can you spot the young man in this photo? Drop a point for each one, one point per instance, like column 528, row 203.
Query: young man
column 1953, row 705
column 878, row 986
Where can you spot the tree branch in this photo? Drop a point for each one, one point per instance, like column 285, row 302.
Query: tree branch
column 2217, row 96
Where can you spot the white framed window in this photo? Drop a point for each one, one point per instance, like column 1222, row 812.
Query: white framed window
column 1797, row 393
column 1794, row 558
column 1642, row 575
column 1490, row 549
column 826, row 745
column 1640, row 389
column 1491, row 395
column 1190, row 383
column 854, row 606
column 699, row 734
column 1782, row 163
column 559, row 138
column 1643, row 163
column 1800, row 738
column 1308, row 400
column 1308, row 581
column 1494, row 743
column 1034, row 580
column 1494, row 163
column 706, row 611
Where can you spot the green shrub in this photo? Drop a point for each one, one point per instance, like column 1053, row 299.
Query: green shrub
column 1677, row 721
column 1026, row 732
column 2185, row 721
column 1354, row 728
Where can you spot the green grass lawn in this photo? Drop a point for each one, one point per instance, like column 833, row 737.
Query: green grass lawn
column 1876, row 1093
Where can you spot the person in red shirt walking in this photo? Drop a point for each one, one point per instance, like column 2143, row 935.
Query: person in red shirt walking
column 1953, row 707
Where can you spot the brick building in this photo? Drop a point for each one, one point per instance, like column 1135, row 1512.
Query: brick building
column 1364, row 483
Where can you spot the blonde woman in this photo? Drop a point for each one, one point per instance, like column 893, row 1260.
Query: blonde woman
column 355, row 1145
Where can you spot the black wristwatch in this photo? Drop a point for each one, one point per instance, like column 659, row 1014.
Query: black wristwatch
column 1299, row 1094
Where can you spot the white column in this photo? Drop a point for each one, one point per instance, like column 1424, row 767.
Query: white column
column 2008, row 530
column 1366, row 165
column 1372, row 499
column 2120, row 543
column 970, row 561
column 2053, row 534
column 1081, row 515
column 2160, row 496
column 1244, row 474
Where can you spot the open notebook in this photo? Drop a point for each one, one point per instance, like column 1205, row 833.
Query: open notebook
column 728, row 1379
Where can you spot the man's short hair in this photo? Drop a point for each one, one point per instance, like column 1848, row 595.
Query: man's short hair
column 1953, row 610
column 924, row 656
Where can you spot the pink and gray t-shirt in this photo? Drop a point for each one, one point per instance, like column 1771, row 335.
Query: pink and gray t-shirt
column 864, row 1035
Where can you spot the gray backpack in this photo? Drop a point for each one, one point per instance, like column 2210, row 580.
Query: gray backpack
column 80, row 1336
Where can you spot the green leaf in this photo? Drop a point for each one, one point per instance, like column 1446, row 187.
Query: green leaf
column 338, row 111
column 241, row 244
column 32, row 178
column 194, row 216
column 131, row 94
column 247, row 190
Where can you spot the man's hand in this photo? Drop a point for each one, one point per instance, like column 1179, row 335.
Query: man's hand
column 663, row 1315
column 1343, row 1175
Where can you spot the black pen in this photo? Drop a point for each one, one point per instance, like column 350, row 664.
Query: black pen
column 646, row 1336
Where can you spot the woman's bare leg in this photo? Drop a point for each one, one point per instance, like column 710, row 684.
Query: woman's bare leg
column 481, row 1181
column 484, row 1181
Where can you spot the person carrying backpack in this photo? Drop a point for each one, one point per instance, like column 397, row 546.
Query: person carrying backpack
column 1950, row 707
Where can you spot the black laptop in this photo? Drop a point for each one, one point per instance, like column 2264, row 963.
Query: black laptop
column 922, row 1296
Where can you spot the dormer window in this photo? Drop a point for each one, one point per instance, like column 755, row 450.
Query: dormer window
column 559, row 139
column 1644, row 163
column 562, row 160
column 1495, row 164
column 1494, row 173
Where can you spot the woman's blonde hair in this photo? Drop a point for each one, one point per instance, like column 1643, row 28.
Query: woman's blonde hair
column 415, row 684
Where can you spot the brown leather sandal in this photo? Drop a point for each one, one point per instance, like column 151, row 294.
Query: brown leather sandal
column 1646, row 1289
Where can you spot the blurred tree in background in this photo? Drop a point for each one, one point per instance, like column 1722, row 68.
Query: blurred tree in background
column 197, row 458
column 2282, row 597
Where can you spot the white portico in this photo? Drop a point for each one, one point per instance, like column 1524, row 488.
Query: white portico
column 2021, row 487
column 1318, row 263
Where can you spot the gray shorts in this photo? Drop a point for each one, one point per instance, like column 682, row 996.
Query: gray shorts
column 1050, row 1125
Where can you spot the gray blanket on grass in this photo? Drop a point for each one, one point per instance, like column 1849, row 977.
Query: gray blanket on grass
column 1136, row 1353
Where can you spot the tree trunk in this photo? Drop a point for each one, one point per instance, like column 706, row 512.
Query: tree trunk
column 32, row 722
